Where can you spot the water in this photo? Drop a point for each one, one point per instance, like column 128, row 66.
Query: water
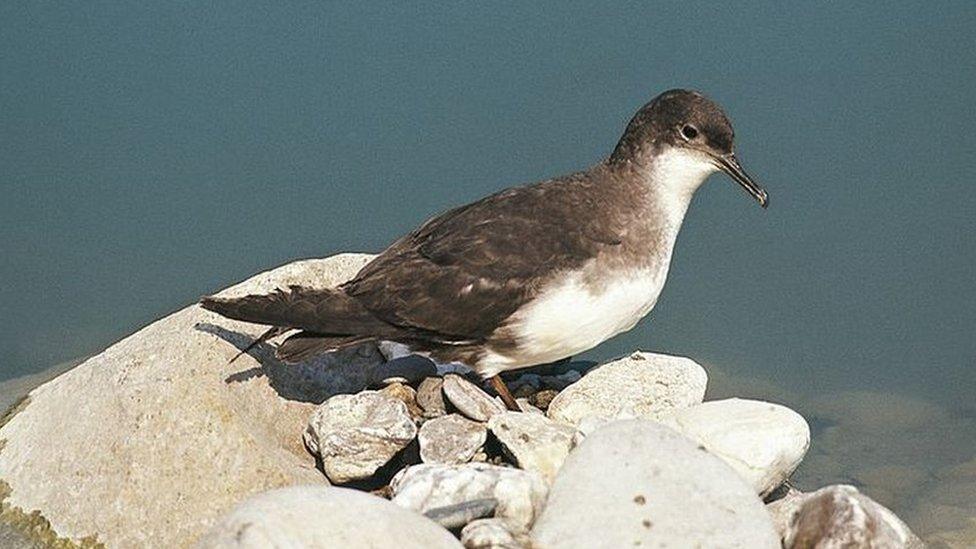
column 153, row 154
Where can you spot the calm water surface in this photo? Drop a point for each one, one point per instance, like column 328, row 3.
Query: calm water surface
column 152, row 154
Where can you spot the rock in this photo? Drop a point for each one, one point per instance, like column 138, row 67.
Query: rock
column 406, row 370
column 405, row 394
column 355, row 435
column 638, row 482
column 642, row 384
column 536, row 442
column 783, row 509
column 763, row 442
column 469, row 399
column 317, row 516
column 520, row 494
column 156, row 437
column 431, row 398
column 527, row 407
column 492, row 534
column 455, row 516
column 451, row 439
column 543, row 398
column 840, row 516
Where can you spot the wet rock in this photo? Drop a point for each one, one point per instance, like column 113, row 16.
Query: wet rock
column 520, row 494
column 763, row 442
column 451, row 439
column 430, row 397
column 638, row 482
column 407, row 370
column 642, row 385
column 405, row 394
column 160, row 434
column 492, row 533
column 354, row 435
column 841, row 516
column 469, row 399
column 535, row 442
column 455, row 516
column 317, row 516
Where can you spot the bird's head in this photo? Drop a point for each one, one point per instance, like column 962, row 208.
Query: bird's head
column 682, row 137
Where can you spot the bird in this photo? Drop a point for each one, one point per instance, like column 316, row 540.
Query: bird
column 532, row 274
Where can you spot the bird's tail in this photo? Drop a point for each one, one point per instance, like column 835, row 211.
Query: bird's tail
column 323, row 311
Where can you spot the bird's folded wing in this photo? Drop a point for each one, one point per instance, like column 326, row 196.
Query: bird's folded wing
column 462, row 274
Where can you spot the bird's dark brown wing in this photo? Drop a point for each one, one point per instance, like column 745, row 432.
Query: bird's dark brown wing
column 463, row 273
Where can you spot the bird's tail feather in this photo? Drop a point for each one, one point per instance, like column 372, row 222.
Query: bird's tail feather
column 324, row 311
column 305, row 345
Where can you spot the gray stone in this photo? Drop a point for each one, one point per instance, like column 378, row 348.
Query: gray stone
column 637, row 482
column 520, row 494
column 159, row 435
column 355, row 435
column 469, row 399
column 492, row 533
column 407, row 370
column 841, row 516
column 455, row 516
column 316, row 516
column 639, row 385
column 762, row 441
column 536, row 442
column 451, row 439
column 430, row 397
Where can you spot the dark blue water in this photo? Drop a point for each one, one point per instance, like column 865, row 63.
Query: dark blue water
column 150, row 154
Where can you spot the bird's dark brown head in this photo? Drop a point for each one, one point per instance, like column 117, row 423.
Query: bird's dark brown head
column 688, row 121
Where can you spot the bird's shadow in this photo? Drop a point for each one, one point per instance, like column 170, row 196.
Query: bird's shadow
column 312, row 381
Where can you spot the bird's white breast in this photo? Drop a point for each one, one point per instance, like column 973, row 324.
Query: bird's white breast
column 571, row 316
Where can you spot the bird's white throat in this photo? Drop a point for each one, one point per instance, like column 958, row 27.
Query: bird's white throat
column 673, row 178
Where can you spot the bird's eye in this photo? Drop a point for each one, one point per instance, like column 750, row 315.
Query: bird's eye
column 689, row 132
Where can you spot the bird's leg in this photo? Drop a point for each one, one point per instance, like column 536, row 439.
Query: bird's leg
column 502, row 390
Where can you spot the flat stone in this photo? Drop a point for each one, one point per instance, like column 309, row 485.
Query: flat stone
column 355, row 435
column 520, row 494
column 159, row 435
column 430, row 397
column 469, row 399
column 639, row 483
column 762, row 441
column 641, row 385
column 455, row 516
column 451, row 439
column 841, row 516
column 492, row 533
column 317, row 516
column 536, row 442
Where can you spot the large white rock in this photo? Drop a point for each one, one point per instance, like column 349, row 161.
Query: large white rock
column 536, row 442
column 840, row 516
column 520, row 494
column 763, row 442
column 316, row 516
column 639, row 483
column 152, row 440
column 355, row 435
column 639, row 385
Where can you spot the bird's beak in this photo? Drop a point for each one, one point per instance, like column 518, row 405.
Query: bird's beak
column 729, row 164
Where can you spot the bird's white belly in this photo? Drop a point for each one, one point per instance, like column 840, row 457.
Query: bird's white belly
column 571, row 316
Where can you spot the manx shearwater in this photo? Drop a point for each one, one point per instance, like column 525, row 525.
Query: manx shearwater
column 529, row 275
